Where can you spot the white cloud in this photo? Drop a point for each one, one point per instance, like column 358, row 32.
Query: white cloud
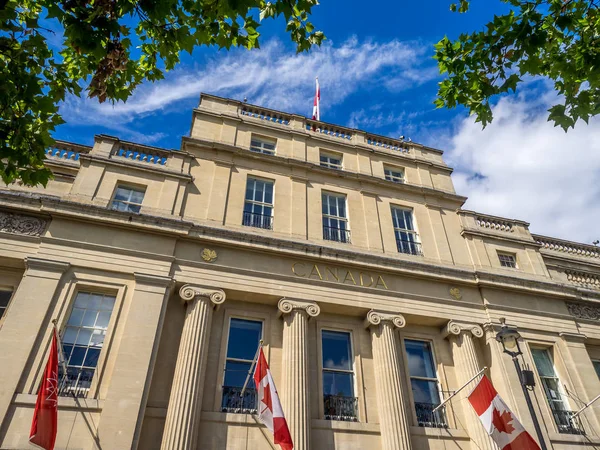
column 522, row 167
column 275, row 77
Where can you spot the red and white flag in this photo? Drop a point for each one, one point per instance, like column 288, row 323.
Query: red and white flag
column 316, row 112
column 269, row 407
column 499, row 421
column 44, row 423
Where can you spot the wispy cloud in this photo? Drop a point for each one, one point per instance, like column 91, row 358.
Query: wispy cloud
column 522, row 167
column 274, row 77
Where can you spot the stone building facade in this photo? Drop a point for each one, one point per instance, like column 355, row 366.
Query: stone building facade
column 346, row 253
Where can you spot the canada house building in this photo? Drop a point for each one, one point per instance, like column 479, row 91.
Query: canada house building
column 376, row 295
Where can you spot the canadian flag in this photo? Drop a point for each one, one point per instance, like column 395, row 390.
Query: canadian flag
column 316, row 112
column 269, row 407
column 44, row 423
column 499, row 421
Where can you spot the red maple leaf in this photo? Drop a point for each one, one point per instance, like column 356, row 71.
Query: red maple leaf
column 502, row 421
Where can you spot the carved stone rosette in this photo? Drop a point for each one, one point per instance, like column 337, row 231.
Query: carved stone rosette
column 21, row 224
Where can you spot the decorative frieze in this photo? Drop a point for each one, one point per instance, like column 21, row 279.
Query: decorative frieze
column 583, row 311
column 21, row 224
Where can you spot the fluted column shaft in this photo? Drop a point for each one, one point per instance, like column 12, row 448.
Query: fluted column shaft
column 391, row 400
column 466, row 363
column 185, row 401
column 295, row 396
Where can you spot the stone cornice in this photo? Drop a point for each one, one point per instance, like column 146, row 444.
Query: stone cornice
column 456, row 327
column 287, row 305
column 156, row 280
column 46, row 265
column 136, row 166
column 376, row 317
column 506, row 238
column 189, row 292
column 573, row 337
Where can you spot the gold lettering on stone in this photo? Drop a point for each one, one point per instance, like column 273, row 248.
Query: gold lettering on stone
column 327, row 273
column 294, row 269
column 314, row 270
column 349, row 276
column 362, row 281
column 380, row 281
column 333, row 274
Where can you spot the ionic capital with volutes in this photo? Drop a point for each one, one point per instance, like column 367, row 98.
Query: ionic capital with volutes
column 375, row 317
column 189, row 292
column 457, row 327
column 287, row 305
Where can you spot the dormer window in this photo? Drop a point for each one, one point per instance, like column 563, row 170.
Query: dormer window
column 263, row 145
column 331, row 160
column 128, row 198
column 394, row 174
column 508, row 260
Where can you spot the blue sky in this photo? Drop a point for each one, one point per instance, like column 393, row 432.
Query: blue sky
column 377, row 73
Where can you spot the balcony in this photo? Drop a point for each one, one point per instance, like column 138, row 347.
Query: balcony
column 429, row 419
column 257, row 220
column 340, row 408
column 336, row 235
column 76, row 383
column 566, row 423
column 409, row 247
column 233, row 402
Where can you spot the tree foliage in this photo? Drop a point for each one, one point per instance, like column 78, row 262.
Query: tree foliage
column 555, row 39
column 109, row 48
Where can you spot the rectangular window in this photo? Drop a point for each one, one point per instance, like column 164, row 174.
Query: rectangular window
column 596, row 367
column 338, row 376
column 128, row 199
column 331, row 160
column 243, row 341
column 553, row 390
column 394, row 174
column 335, row 223
column 407, row 239
column 4, row 299
column 82, row 341
column 424, row 383
column 262, row 145
column 508, row 260
column 258, row 207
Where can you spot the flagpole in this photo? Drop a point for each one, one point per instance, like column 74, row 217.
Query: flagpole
column 459, row 389
column 260, row 344
column 60, row 347
column 587, row 405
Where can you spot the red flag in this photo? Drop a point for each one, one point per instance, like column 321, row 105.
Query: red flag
column 44, row 423
column 499, row 421
column 316, row 106
column 269, row 407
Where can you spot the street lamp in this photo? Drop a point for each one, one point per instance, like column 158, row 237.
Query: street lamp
column 509, row 338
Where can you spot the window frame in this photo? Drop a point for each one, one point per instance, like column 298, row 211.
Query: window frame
column 331, row 155
column 393, row 178
column 505, row 254
column 414, row 232
column 596, row 365
column 346, row 220
column 263, row 140
column 4, row 310
column 131, row 188
column 261, row 204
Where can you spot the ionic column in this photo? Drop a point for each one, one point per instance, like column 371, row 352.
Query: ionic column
column 391, row 400
column 466, row 365
column 295, row 392
column 183, row 414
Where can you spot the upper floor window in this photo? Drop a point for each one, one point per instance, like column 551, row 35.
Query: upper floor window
column 331, row 160
column 394, row 174
column 242, row 344
column 128, row 198
column 82, row 341
column 407, row 239
column 262, row 145
column 258, row 207
column 4, row 299
column 508, row 260
column 338, row 376
column 596, row 367
column 553, row 390
column 335, row 221
column 424, row 383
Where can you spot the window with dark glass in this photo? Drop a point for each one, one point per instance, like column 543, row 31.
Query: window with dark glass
column 242, row 343
column 596, row 367
column 4, row 299
column 553, row 390
column 338, row 376
column 128, row 199
column 508, row 260
column 407, row 239
column 262, row 145
column 335, row 222
column 82, row 340
column 258, row 207
column 424, row 383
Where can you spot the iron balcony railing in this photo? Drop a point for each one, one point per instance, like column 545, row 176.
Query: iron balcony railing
column 566, row 423
column 257, row 220
column 76, row 383
column 336, row 234
column 409, row 247
column 427, row 418
column 234, row 402
column 340, row 408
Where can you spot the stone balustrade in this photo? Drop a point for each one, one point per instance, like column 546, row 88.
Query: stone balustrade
column 390, row 144
column 329, row 130
column 587, row 280
column 494, row 224
column 265, row 114
column 572, row 248
column 66, row 151
column 142, row 154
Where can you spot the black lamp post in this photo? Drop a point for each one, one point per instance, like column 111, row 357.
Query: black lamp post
column 510, row 343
